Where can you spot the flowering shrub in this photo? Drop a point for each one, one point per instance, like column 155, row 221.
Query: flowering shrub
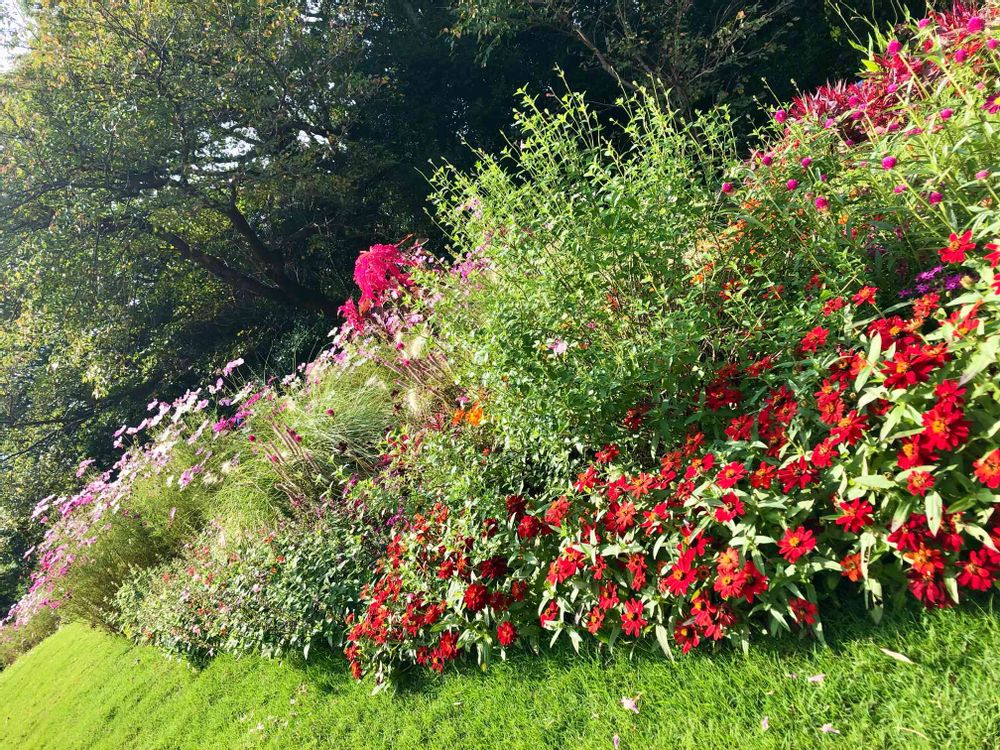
column 283, row 590
column 835, row 441
column 868, row 453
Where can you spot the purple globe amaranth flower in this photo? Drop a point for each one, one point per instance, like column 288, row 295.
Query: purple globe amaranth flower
column 766, row 160
column 899, row 189
column 935, row 197
column 727, row 188
column 821, row 203
column 889, row 162
column 792, row 184
column 780, row 116
column 961, row 55
column 806, row 161
column 946, row 113
column 992, row 43
column 982, row 174
column 975, row 24
column 953, row 282
column 893, row 48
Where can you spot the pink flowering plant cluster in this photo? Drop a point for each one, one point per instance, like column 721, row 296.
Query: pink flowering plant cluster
column 661, row 394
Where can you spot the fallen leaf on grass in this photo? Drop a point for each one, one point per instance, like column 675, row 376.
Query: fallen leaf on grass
column 897, row 656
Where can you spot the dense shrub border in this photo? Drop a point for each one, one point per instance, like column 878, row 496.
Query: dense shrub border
column 755, row 424
column 869, row 454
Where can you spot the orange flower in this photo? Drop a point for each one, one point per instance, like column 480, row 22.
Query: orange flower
column 475, row 415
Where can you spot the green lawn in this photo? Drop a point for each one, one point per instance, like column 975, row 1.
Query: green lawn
column 82, row 689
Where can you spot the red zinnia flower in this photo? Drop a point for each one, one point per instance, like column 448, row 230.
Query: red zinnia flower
column 957, row 247
column 549, row 615
column 796, row 543
column 914, row 453
column 730, row 474
column 763, row 476
column 813, row 339
column 833, row 305
column 945, row 427
column 797, row 474
column 475, row 597
column 865, row 294
column 919, row 482
column 632, row 619
column 987, row 469
column 594, row 620
column 607, row 454
column 851, row 567
column 506, row 633
column 850, row 428
column 803, row 610
column 978, row 572
column 680, row 577
column 857, row 515
column 687, row 637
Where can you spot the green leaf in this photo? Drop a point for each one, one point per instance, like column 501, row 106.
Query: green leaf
column 664, row 640
column 933, row 506
column 874, row 481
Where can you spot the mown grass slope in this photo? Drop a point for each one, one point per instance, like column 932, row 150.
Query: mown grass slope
column 85, row 689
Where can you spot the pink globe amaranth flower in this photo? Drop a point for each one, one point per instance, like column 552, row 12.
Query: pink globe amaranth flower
column 727, row 188
column 946, row 113
column 975, row 24
column 830, row 122
column 992, row 43
column 961, row 55
column 821, row 203
column 889, row 162
column 806, row 161
column 899, row 189
column 893, row 47
column 923, row 23
column 982, row 174
column 780, row 116
column 766, row 160
column 935, row 197
column 792, row 184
